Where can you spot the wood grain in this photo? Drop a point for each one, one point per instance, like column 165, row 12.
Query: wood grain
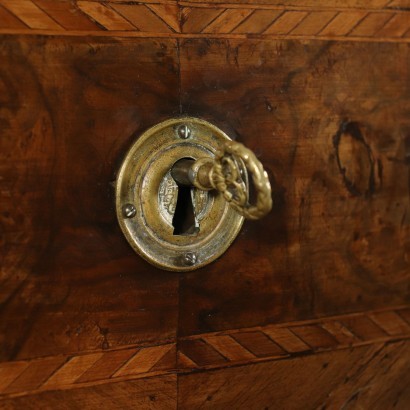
column 275, row 342
column 309, row 307
column 373, row 377
column 373, row 4
column 67, row 15
column 69, row 281
column 149, row 393
column 344, row 20
column 206, row 351
column 333, row 134
column 30, row 14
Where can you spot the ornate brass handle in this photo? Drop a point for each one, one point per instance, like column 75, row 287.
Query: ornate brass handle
column 226, row 173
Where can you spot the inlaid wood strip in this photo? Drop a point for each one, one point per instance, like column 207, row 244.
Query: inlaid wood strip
column 205, row 351
column 340, row 332
column 107, row 365
column 169, row 13
column 229, row 347
column 143, row 360
column 315, row 336
column 184, row 362
column 142, row 18
column 399, row 4
column 390, row 322
column 298, row 5
column 258, row 21
column 287, row 340
column 286, row 22
column 227, row 21
column 147, row 2
column 72, row 370
column 35, row 374
column 107, row 17
column 67, row 15
column 342, row 24
column 380, row 22
column 196, row 20
column 405, row 39
column 8, row 20
column 259, row 344
column 314, row 23
column 201, row 353
column 168, row 361
column 375, row 4
column 30, row 14
column 276, row 342
column 363, row 327
column 397, row 26
column 9, row 372
column 371, row 24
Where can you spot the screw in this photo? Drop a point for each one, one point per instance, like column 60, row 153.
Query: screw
column 129, row 211
column 189, row 259
column 184, row 131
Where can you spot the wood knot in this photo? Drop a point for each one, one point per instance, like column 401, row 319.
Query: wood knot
column 355, row 160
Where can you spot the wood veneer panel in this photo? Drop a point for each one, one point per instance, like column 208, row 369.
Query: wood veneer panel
column 343, row 20
column 150, row 393
column 309, row 3
column 67, row 14
column 70, row 108
column 199, row 352
column 333, row 133
column 373, row 377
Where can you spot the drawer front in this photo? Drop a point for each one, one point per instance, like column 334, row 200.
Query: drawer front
column 309, row 307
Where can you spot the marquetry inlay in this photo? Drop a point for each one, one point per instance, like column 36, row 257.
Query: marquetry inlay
column 205, row 351
column 371, row 21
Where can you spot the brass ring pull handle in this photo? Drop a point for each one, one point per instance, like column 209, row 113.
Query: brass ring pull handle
column 226, row 173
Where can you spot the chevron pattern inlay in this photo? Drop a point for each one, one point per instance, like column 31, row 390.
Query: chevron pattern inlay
column 282, row 341
column 205, row 351
column 71, row 371
column 377, row 21
column 281, row 22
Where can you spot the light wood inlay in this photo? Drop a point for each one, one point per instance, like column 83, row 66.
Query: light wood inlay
column 204, row 351
column 349, row 21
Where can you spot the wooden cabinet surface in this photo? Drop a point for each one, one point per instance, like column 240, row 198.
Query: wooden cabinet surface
column 309, row 308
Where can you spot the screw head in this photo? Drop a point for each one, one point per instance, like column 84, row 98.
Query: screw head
column 184, row 131
column 189, row 259
column 129, row 211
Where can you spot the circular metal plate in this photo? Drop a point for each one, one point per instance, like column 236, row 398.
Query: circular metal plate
column 146, row 197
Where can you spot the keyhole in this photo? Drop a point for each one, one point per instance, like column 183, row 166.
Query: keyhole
column 184, row 221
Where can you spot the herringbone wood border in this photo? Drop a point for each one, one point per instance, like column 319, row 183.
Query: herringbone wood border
column 205, row 351
column 281, row 341
column 384, row 21
column 58, row 372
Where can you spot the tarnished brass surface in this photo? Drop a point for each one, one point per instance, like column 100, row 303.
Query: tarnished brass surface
column 225, row 174
column 145, row 183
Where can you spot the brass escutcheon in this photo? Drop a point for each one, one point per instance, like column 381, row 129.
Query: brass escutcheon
column 182, row 193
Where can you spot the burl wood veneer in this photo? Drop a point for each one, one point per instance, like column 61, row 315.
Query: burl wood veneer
column 309, row 308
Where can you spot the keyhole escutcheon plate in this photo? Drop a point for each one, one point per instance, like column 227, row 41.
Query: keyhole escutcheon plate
column 147, row 197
